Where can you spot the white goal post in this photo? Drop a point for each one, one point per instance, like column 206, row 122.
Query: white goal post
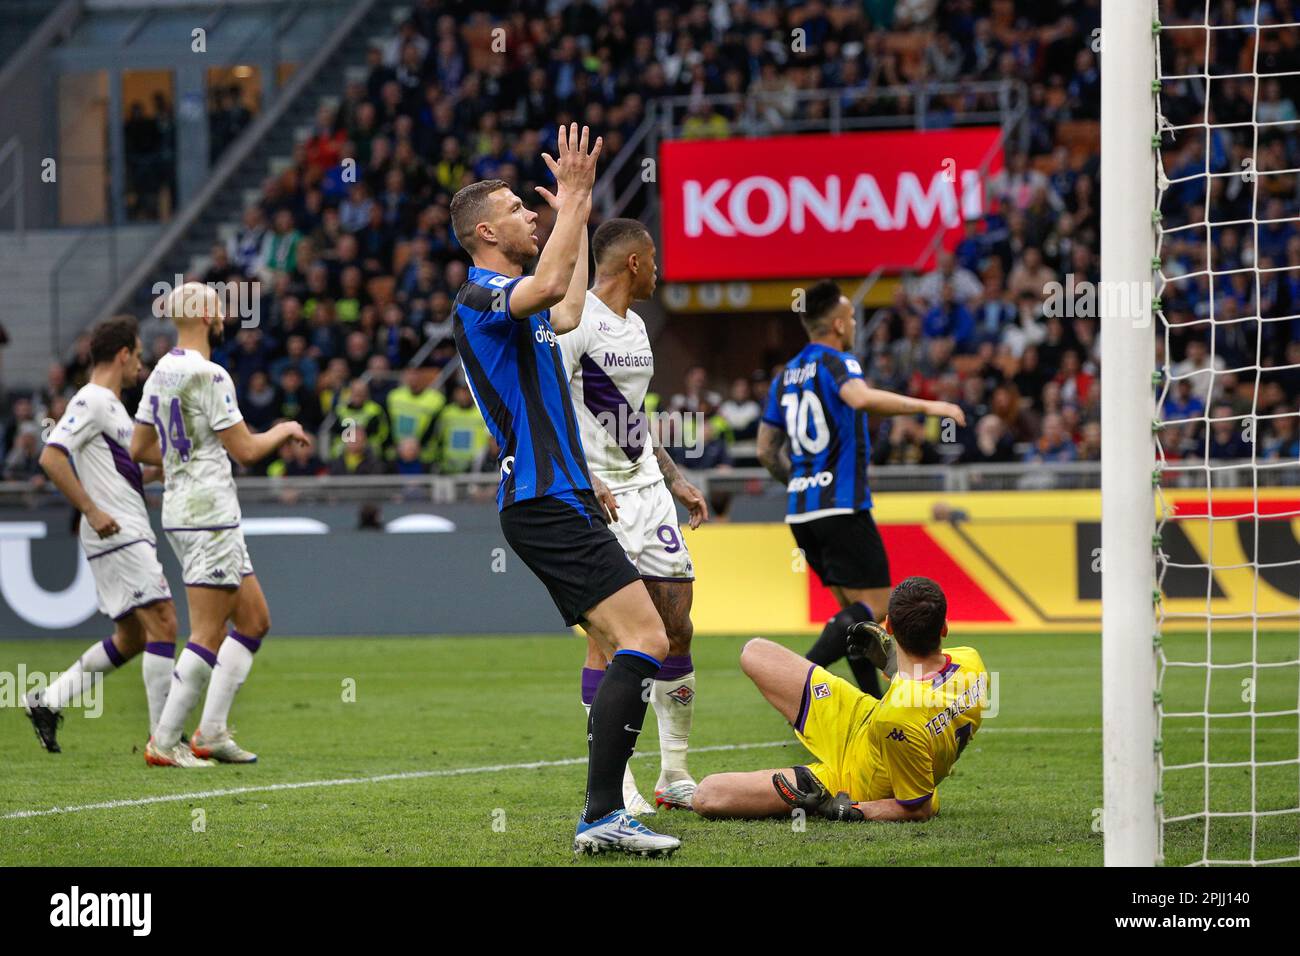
column 1200, row 387
column 1128, row 248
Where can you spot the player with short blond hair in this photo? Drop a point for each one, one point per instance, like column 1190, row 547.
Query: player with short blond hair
column 189, row 423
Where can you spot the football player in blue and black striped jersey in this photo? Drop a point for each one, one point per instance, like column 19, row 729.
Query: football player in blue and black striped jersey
column 819, row 406
column 554, row 516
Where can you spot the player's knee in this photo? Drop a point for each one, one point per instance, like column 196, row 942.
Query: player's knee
column 256, row 626
column 129, row 641
column 644, row 634
column 253, row 620
column 165, row 624
column 752, row 654
column 706, row 801
column 655, row 643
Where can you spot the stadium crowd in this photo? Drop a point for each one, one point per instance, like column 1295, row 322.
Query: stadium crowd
column 358, row 265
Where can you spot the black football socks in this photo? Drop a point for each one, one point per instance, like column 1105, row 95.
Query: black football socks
column 612, row 728
column 834, row 641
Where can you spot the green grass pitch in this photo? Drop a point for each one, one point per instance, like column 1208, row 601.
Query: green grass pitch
column 468, row 716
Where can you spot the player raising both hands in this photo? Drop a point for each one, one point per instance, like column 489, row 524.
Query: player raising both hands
column 506, row 327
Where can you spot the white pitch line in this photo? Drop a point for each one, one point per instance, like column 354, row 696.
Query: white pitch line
column 347, row 781
column 492, row 768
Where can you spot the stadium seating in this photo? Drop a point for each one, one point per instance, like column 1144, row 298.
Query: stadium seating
column 436, row 109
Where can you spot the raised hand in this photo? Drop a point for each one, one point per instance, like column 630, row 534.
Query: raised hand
column 575, row 169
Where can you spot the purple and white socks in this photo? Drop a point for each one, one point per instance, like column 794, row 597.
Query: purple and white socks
column 189, row 680
column 156, row 668
column 99, row 658
column 234, row 661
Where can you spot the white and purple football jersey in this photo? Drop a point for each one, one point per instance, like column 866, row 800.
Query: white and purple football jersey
column 610, row 364
column 95, row 433
column 188, row 399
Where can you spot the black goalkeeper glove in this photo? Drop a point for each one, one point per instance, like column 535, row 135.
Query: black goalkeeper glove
column 869, row 641
column 808, row 794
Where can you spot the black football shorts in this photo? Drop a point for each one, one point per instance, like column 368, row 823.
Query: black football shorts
column 574, row 554
column 845, row 550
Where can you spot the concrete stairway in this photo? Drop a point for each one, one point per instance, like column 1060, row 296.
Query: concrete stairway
column 27, row 267
column 275, row 151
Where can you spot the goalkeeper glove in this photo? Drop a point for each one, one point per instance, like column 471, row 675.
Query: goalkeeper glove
column 869, row 641
column 808, row 794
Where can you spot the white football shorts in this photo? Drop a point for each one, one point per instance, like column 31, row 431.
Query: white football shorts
column 212, row 559
column 647, row 529
column 127, row 578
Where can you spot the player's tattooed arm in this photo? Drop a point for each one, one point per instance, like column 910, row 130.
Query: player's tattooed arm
column 771, row 452
column 692, row 498
column 876, row 401
column 58, row 466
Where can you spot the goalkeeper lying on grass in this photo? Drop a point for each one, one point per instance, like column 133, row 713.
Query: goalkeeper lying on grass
column 876, row 759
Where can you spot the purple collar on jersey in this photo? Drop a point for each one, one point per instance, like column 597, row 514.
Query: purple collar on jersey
column 176, row 352
column 945, row 673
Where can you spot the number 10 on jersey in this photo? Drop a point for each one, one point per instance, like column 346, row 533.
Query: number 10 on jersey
column 801, row 410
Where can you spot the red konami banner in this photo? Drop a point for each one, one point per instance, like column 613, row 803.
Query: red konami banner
column 824, row 205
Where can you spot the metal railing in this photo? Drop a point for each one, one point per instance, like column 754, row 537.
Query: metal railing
column 13, row 192
column 108, row 232
column 747, row 482
column 73, row 254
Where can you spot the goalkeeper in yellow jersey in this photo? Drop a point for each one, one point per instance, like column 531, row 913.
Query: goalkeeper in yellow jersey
column 875, row 759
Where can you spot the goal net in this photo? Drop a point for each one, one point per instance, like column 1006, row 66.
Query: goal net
column 1225, row 486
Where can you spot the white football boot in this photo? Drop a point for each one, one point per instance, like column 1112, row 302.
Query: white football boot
column 221, row 748
column 620, row 831
column 179, row 755
column 675, row 795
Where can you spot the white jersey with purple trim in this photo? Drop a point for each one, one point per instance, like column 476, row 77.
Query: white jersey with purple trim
column 188, row 399
column 609, row 364
column 95, row 432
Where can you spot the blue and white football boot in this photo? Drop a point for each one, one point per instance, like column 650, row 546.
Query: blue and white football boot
column 618, row 830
